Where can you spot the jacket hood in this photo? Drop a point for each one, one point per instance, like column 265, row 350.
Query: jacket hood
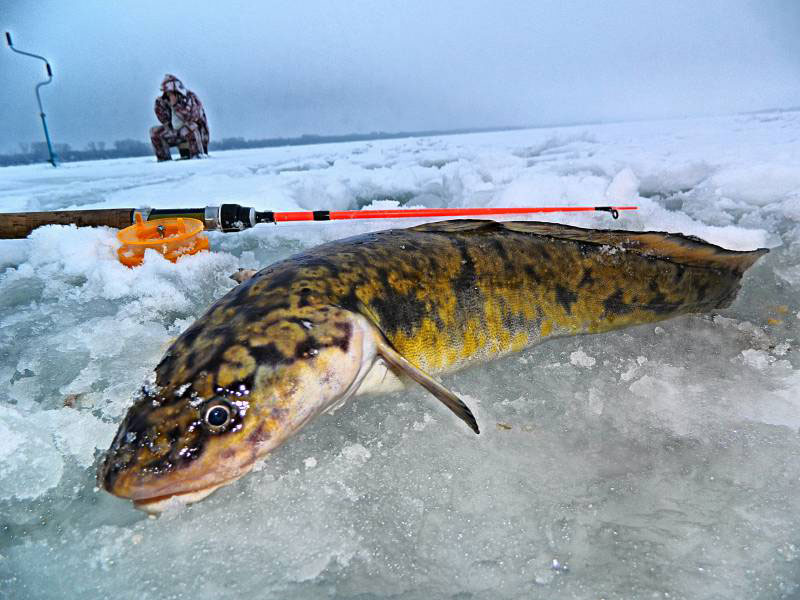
column 172, row 84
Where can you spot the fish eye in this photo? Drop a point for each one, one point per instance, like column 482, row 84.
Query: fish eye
column 217, row 416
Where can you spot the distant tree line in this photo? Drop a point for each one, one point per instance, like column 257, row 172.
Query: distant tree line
column 36, row 152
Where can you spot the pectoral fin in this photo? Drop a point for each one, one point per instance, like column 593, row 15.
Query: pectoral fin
column 398, row 363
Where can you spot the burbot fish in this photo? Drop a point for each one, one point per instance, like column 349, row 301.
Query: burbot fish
column 376, row 311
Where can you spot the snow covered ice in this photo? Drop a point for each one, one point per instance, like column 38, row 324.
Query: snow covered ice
column 653, row 462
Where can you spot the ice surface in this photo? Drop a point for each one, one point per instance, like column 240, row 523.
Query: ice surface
column 655, row 462
column 30, row 464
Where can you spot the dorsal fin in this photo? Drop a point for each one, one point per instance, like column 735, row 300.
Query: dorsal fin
column 684, row 249
column 458, row 225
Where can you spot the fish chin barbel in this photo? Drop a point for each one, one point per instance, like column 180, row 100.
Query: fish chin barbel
column 376, row 311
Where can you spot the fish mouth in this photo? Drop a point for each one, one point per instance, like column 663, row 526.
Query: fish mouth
column 157, row 504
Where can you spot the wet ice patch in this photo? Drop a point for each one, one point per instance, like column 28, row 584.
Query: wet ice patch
column 35, row 446
column 30, row 464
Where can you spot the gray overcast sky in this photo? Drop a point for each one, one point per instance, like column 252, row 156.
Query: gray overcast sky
column 267, row 69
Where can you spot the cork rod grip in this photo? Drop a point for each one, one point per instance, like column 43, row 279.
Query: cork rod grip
column 19, row 225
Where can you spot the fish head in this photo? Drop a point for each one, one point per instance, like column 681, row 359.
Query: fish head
column 228, row 391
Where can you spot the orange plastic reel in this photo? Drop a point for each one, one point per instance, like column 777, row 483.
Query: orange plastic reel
column 172, row 238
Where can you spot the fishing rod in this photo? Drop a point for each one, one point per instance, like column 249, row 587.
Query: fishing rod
column 233, row 217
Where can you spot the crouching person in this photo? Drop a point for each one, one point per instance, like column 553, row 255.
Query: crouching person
column 183, row 121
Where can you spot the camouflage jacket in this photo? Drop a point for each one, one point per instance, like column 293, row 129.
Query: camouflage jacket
column 188, row 108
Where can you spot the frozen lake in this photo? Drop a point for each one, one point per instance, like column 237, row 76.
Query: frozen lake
column 655, row 462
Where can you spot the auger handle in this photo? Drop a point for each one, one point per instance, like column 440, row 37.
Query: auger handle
column 19, row 225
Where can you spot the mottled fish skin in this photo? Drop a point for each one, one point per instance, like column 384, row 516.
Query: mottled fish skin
column 299, row 336
column 452, row 293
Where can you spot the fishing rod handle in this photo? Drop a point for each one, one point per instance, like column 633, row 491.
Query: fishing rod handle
column 227, row 217
column 19, row 225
